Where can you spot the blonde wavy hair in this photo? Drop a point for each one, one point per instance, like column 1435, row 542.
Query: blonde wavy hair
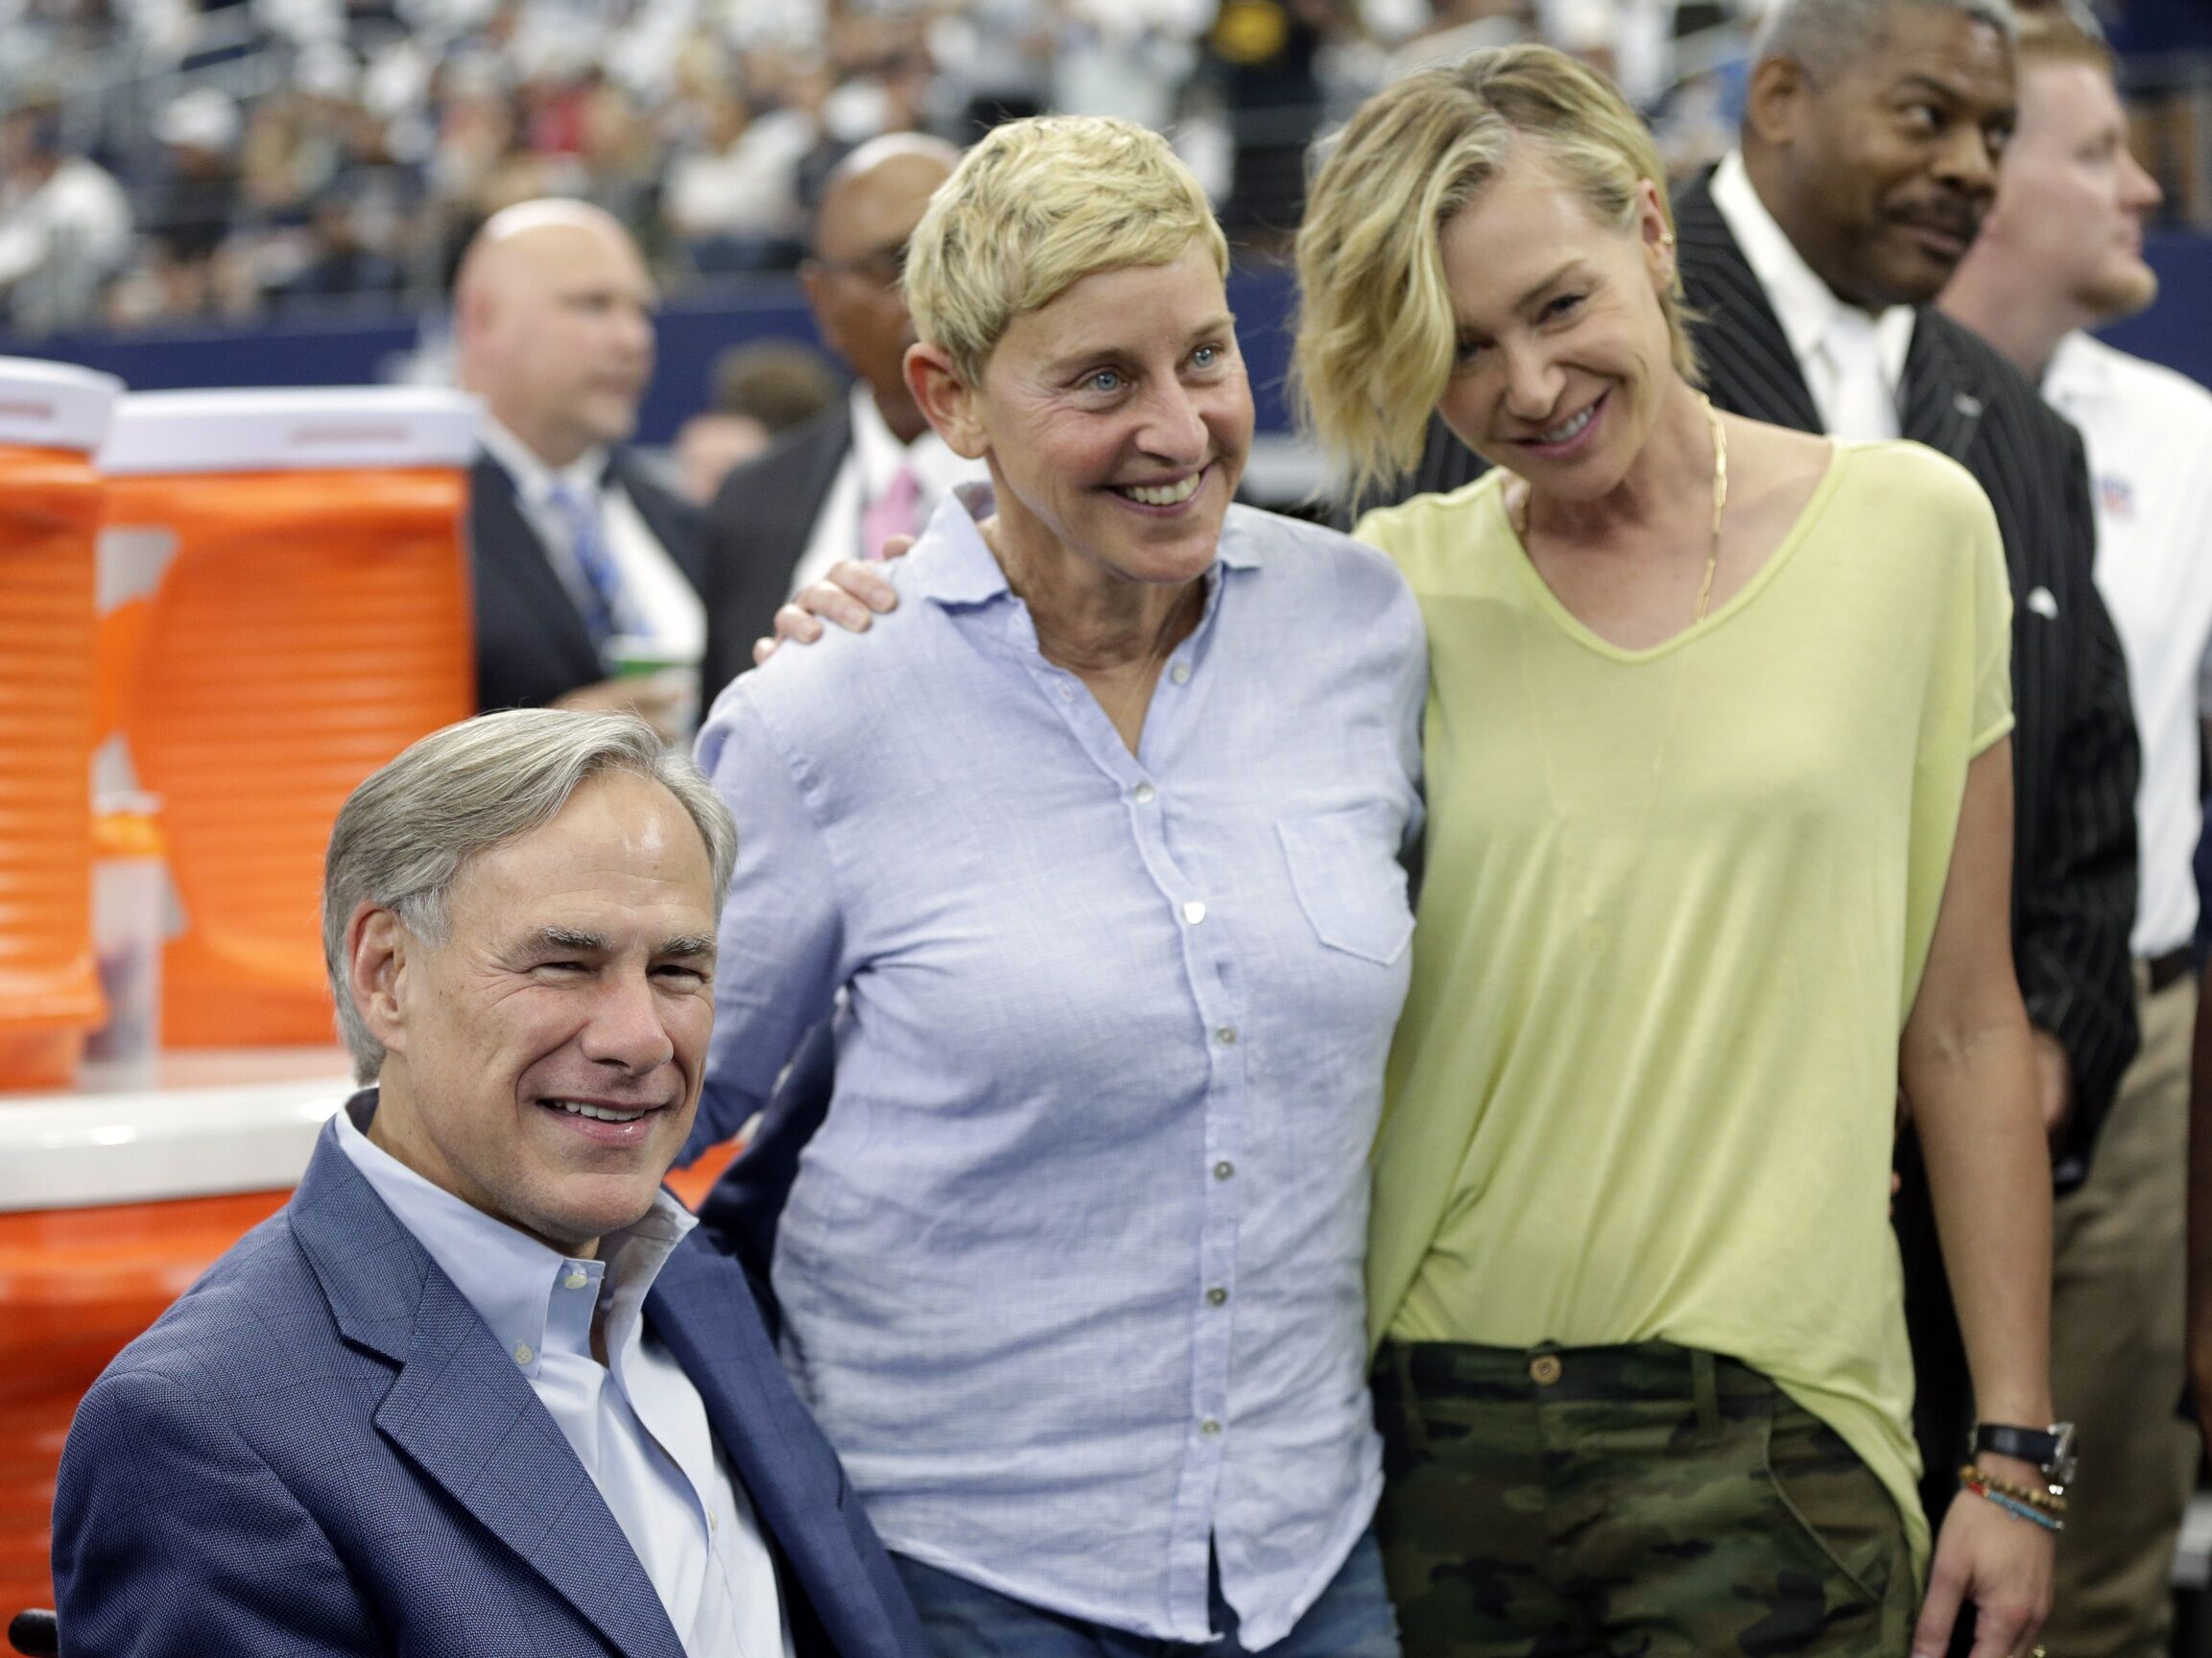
column 1033, row 208
column 1376, row 332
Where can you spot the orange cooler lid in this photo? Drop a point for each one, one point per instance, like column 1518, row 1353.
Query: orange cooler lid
column 317, row 429
column 55, row 405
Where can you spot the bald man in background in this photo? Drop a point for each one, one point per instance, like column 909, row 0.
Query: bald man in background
column 587, row 573
column 869, row 466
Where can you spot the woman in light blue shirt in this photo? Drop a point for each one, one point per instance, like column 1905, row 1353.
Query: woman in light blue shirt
column 1098, row 841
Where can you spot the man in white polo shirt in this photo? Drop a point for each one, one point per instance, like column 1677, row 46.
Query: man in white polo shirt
column 2061, row 251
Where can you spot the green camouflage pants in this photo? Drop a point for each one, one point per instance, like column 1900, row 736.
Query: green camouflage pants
column 1646, row 1500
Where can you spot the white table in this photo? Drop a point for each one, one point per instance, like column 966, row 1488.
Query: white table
column 211, row 1122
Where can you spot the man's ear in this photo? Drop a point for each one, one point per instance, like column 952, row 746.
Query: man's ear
column 813, row 282
column 946, row 401
column 1773, row 103
column 378, row 951
column 474, row 313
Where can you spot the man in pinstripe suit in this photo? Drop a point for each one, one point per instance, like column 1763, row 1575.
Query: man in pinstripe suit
column 1867, row 159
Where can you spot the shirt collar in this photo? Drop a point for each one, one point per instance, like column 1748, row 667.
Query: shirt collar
column 509, row 1277
column 879, row 454
column 2079, row 370
column 1806, row 305
column 532, row 478
column 955, row 566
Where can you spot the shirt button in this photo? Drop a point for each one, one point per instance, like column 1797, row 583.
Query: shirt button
column 1227, row 1035
column 575, row 1281
column 1544, row 1369
column 714, row 1523
column 1215, row 1297
column 1144, row 793
column 1224, row 1169
column 1209, row 1428
column 522, row 1352
column 1181, row 673
column 1194, row 912
column 1067, row 693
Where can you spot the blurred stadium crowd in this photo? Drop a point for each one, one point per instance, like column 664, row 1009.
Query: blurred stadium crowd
column 169, row 160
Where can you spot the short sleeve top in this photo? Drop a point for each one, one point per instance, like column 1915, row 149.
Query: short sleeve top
column 1676, row 906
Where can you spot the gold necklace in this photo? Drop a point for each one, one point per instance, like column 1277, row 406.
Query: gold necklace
column 1720, row 505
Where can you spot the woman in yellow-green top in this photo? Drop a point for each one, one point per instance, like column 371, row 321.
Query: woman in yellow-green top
column 1718, row 857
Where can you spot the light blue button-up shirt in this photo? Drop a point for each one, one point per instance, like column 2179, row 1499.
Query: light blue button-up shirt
column 1071, row 1273
column 636, row 1423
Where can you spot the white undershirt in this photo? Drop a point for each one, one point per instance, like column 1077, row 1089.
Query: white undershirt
column 661, row 600
column 2149, row 434
column 868, row 467
column 1809, row 309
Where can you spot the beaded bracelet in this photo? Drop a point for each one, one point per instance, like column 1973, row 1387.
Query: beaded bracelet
column 2011, row 1504
column 2049, row 1501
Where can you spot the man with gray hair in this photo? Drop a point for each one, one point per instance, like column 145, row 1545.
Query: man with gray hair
column 476, row 1387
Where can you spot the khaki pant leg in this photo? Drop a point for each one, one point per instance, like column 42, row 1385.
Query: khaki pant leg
column 2116, row 1356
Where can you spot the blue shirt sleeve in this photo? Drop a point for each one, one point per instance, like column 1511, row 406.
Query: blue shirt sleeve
column 781, row 937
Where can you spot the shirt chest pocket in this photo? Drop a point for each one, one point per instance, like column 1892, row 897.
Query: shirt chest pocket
column 1344, row 870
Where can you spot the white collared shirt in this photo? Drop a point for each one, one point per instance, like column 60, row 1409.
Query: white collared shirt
column 2149, row 434
column 636, row 1423
column 663, row 604
column 1807, row 307
column 868, row 467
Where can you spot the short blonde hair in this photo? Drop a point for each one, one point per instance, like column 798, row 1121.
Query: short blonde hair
column 1033, row 208
column 1377, row 331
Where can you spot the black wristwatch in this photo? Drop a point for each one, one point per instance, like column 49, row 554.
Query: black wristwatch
column 2051, row 1448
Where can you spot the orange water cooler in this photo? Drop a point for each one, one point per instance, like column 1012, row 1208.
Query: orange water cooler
column 284, row 606
column 52, row 418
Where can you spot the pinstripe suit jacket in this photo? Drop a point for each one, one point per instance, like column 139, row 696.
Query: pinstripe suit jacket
column 322, row 1450
column 2074, row 745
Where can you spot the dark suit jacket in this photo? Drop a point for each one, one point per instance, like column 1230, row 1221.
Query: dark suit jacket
column 322, row 1449
column 2074, row 750
column 531, row 641
column 759, row 526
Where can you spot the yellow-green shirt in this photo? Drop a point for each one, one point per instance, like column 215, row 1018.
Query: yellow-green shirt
column 1675, row 910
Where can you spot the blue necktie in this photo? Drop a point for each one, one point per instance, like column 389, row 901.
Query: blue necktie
column 605, row 615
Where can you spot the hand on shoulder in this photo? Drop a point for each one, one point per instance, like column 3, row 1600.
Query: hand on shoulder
column 852, row 596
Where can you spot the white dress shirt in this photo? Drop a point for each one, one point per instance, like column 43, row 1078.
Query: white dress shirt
column 870, row 465
column 636, row 1423
column 1853, row 360
column 2149, row 434
column 665, row 610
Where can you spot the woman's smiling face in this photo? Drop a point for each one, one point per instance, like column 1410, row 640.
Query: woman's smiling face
column 1116, row 420
column 1563, row 353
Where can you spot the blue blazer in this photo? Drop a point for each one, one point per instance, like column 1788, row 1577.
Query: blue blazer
column 322, row 1449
